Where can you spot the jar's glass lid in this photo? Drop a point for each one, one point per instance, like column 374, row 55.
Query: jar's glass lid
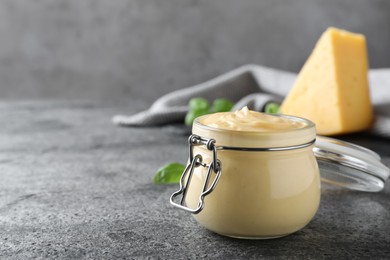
column 349, row 165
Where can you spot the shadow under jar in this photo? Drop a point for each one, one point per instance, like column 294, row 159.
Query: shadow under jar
column 253, row 181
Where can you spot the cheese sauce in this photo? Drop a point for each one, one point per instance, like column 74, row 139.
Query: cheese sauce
column 247, row 120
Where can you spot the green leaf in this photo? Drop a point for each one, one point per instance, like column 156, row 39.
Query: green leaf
column 192, row 114
column 169, row 173
column 221, row 105
column 198, row 103
column 272, row 108
column 200, row 106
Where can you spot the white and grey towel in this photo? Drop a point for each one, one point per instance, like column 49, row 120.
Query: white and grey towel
column 252, row 86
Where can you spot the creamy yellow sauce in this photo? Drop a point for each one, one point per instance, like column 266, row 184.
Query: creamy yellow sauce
column 248, row 120
column 259, row 194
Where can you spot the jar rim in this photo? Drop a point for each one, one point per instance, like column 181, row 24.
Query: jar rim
column 243, row 138
column 308, row 124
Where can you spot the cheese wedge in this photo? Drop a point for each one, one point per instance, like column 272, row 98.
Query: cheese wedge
column 332, row 88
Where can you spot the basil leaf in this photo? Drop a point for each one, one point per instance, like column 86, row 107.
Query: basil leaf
column 272, row 108
column 198, row 103
column 222, row 105
column 200, row 106
column 192, row 114
column 169, row 173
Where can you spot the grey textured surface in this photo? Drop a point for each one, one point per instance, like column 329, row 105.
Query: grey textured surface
column 74, row 186
column 111, row 49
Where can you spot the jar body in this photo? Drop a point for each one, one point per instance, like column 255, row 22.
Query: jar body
column 259, row 195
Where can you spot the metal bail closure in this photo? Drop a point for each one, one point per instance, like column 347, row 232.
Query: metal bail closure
column 194, row 162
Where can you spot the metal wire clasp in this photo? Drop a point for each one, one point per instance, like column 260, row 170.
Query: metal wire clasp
column 194, row 162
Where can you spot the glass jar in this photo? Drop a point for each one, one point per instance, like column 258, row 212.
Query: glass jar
column 249, row 184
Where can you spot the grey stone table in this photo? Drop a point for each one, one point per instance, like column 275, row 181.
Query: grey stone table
column 74, row 186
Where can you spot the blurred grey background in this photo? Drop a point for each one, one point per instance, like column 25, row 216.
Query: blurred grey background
column 114, row 49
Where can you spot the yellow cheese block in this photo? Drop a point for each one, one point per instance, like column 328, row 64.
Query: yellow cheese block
column 332, row 87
